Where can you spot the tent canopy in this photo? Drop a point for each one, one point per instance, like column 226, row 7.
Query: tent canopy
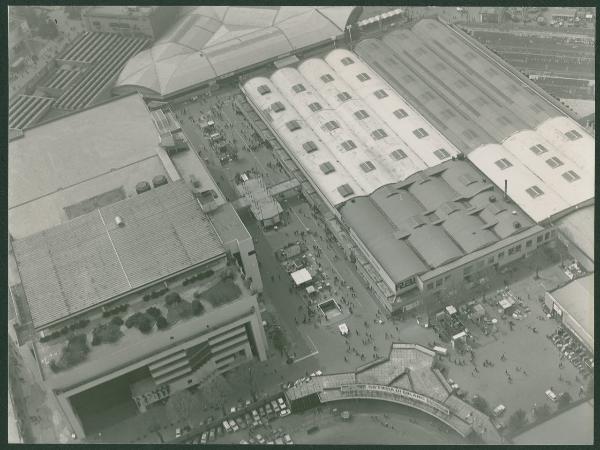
column 506, row 303
column 301, row 276
column 450, row 309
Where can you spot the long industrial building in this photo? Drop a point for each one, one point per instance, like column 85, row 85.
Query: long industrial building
column 434, row 178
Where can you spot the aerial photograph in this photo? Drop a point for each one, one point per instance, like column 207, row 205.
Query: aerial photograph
column 301, row 225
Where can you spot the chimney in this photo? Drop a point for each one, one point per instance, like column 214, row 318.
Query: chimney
column 505, row 189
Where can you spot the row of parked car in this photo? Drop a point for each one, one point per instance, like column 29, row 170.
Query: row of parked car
column 276, row 438
column 573, row 350
column 241, row 417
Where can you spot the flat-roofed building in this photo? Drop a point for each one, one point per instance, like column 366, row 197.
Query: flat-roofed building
column 125, row 257
column 149, row 21
column 574, row 303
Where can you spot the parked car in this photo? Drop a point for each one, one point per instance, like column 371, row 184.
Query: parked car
column 318, row 373
column 284, row 412
column 262, row 412
column 226, row 426
column 275, row 406
column 204, row 438
column 260, row 439
column 244, row 442
column 211, row 435
column 499, row 410
column 279, row 441
column 281, row 402
column 233, row 425
column 178, row 433
column 288, row 439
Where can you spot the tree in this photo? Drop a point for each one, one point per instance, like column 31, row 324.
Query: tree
column 518, row 420
column 481, row 404
column 179, row 407
column 197, row 308
column 279, row 340
column 116, row 321
column 542, row 412
column 161, row 323
column 564, row 400
column 172, row 297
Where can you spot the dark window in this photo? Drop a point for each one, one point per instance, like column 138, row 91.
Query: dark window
column 573, row 135
column 534, row 191
column 327, row 78
column 430, row 285
column 570, row 176
column 344, row 96
column 441, row 153
column 400, row 113
column 378, row 134
column 367, row 166
column 539, row 239
column 511, row 251
column 252, row 252
column 438, row 282
column 297, row 88
column 546, row 235
column 310, row 147
column 278, row 107
column 361, row 114
column 348, row 145
column 420, row 133
column 331, row 125
column 293, row 125
column 345, row 190
column 491, row 260
column 316, row 106
column 363, row 76
column 327, row 168
column 518, row 248
column 380, row 93
column 347, row 61
column 554, row 162
column 538, row 149
column 500, row 255
column 263, row 89
column 398, row 155
column 503, row 163
column 528, row 243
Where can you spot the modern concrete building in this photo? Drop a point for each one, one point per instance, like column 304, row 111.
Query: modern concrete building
column 86, row 244
column 574, row 303
column 149, row 21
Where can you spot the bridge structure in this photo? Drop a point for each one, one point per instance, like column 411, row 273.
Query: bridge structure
column 406, row 377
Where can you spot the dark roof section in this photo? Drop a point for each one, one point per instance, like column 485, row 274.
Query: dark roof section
column 451, row 81
column 105, row 253
column 377, row 234
column 439, row 215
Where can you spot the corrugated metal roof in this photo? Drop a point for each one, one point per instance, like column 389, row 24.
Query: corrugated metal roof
column 91, row 259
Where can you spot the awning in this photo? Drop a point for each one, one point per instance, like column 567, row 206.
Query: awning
column 301, row 276
column 450, row 309
column 506, row 303
column 462, row 334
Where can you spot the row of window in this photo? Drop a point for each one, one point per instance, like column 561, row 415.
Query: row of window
column 467, row 270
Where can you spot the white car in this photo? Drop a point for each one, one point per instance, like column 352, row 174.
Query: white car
column 233, row 425
column 177, row 433
column 275, row 406
column 244, row 442
column 204, row 438
column 551, row 395
column 260, row 439
column 288, row 439
column 318, row 373
column 279, row 441
column 284, row 412
column 281, row 402
column 232, row 410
